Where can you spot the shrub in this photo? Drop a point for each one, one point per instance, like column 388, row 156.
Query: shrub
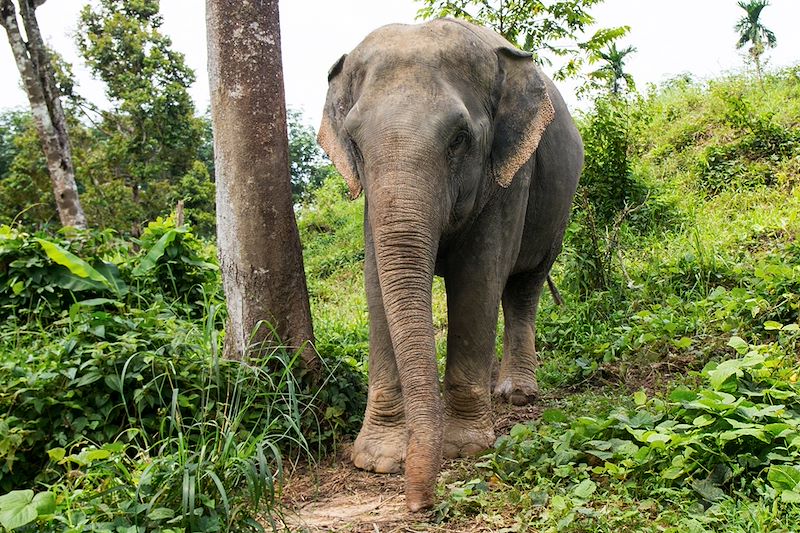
column 109, row 367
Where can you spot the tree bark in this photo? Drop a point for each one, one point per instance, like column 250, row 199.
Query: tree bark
column 34, row 66
column 259, row 245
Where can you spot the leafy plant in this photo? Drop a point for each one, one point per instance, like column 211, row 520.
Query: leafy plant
column 549, row 30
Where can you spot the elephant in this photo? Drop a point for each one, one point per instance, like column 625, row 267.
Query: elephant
column 468, row 160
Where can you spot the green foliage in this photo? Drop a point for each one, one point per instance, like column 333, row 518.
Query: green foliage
column 176, row 264
column 607, row 191
column 21, row 507
column 331, row 229
column 308, row 164
column 747, row 160
column 750, row 28
column 11, row 123
column 42, row 278
column 736, row 434
column 155, row 135
column 550, row 30
column 26, row 193
column 149, row 144
column 109, row 364
column 729, row 134
column 607, row 180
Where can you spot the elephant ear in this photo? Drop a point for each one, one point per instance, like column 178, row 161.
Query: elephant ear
column 523, row 112
column 332, row 136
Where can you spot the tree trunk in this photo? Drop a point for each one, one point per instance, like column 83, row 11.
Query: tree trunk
column 259, row 245
column 34, row 66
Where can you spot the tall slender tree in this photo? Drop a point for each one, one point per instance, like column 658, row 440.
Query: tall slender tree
column 259, row 245
column 33, row 62
column 613, row 71
column 152, row 137
column 752, row 31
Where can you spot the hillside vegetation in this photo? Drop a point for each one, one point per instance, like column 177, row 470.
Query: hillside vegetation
column 669, row 377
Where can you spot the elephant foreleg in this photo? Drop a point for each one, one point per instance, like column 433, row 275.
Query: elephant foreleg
column 381, row 443
column 472, row 326
column 516, row 382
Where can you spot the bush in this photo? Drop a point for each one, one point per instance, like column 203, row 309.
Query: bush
column 606, row 194
column 608, row 181
column 109, row 367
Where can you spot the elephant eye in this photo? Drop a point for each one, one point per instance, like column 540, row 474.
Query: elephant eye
column 459, row 142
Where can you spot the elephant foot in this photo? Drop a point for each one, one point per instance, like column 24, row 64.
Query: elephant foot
column 463, row 438
column 380, row 448
column 517, row 391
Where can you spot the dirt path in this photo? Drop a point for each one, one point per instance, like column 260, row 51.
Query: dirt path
column 335, row 496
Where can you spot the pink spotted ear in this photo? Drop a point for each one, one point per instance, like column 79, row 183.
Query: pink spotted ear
column 331, row 136
column 523, row 113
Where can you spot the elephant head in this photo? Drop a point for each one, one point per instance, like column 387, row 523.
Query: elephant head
column 429, row 121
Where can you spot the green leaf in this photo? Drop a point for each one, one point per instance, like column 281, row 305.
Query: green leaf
column 784, row 477
column 519, row 430
column 584, row 489
column 110, row 271
column 67, row 280
column 553, row 415
column 682, row 394
column 94, row 302
column 156, row 252
column 731, row 367
column 673, row 472
column 75, row 264
column 771, row 325
column 655, row 438
column 17, row 509
column 56, row 454
column 86, row 457
column 683, row 343
column 703, row 420
column 738, row 344
column 198, row 263
column 708, row 490
column 45, row 503
column 161, row 513
column 790, row 496
column 640, row 397
column 737, row 434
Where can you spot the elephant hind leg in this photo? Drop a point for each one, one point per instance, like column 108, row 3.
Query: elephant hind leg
column 516, row 382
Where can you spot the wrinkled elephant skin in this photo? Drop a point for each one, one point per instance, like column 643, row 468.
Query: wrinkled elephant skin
column 468, row 159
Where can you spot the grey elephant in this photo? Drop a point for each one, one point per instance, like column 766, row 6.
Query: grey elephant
column 469, row 160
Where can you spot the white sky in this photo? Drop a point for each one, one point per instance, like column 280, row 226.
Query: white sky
column 671, row 37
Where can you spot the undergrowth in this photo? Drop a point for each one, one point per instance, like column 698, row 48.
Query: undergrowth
column 117, row 413
column 116, row 410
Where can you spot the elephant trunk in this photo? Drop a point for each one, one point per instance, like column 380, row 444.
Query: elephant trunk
column 405, row 221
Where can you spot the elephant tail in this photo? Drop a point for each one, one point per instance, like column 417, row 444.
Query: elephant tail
column 554, row 291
